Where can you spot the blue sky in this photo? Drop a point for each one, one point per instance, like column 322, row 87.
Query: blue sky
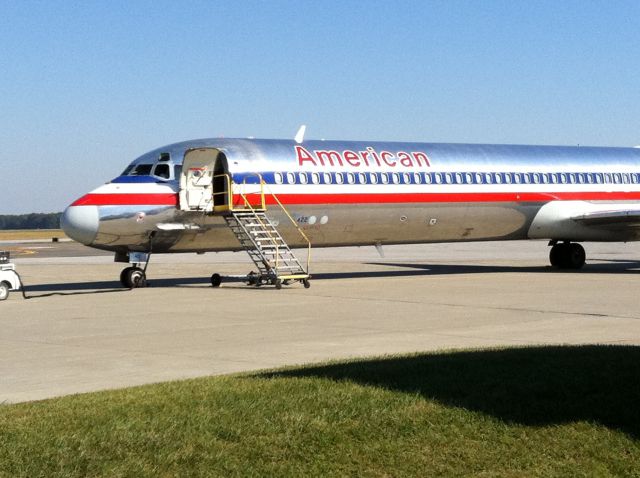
column 85, row 87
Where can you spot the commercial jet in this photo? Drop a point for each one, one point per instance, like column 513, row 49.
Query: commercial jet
column 268, row 196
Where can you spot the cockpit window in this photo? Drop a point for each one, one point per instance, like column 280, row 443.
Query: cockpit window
column 162, row 171
column 127, row 170
column 140, row 170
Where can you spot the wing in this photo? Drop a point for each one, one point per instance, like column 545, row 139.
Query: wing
column 617, row 218
column 587, row 221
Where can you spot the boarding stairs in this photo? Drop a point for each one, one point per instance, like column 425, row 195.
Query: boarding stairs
column 259, row 237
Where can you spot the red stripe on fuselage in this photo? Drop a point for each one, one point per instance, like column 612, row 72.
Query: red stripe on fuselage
column 157, row 199
column 171, row 199
column 451, row 197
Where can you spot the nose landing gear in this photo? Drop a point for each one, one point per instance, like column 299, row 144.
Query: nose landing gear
column 133, row 277
column 567, row 255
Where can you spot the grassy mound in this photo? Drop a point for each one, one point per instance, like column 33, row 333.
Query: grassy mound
column 530, row 411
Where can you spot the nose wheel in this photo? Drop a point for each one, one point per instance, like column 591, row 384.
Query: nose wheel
column 567, row 255
column 133, row 277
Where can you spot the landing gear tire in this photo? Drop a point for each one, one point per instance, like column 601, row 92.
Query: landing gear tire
column 306, row 283
column 567, row 255
column 133, row 277
column 4, row 291
column 123, row 276
column 278, row 284
column 216, row 280
column 575, row 256
column 555, row 255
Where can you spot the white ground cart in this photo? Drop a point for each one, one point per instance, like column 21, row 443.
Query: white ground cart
column 9, row 278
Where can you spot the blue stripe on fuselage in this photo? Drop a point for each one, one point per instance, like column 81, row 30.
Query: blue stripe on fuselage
column 138, row 179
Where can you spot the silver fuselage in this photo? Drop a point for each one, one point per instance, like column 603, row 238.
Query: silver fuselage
column 357, row 193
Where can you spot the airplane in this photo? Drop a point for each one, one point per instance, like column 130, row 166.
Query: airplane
column 267, row 196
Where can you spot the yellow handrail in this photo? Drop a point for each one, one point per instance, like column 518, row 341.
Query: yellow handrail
column 295, row 224
column 228, row 191
column 262, row 183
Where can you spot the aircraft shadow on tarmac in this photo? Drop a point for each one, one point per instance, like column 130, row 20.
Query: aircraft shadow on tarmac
column 407, row 270
column 414, row 269
column 533, row 386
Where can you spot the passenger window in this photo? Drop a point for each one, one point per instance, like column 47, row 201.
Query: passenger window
column 315, row 178
column 616, row 178
column 291, row 178
column 373, row 178
column 351, row 178
column 563, row 178
column 406, row 177
column 507, row 178
column 427, row 178
column 277, row 177
column 526, row 178
column 417, row 178
column 302, row 177
column 162, row 171
column 468, row 178
column 339, row 178
column 517, row 178
column 326, row 177
column 478, row 178
column 438, row 178
column 448, row 178
column 362, row 178
column 487, row 178
column 395, row 177
column 498, row 178
column 385, row 178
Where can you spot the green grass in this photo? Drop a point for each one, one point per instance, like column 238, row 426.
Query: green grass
column 545, row 411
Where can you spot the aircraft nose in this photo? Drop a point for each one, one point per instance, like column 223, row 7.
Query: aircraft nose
column 80, row 223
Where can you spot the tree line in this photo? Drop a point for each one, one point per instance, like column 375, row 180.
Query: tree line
column 31, row 221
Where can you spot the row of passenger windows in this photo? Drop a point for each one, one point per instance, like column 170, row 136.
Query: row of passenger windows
column 455, row 178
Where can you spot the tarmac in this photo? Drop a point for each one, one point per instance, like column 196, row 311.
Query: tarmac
column 79, row 331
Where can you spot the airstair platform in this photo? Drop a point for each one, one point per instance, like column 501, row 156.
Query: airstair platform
column 272, row 256
column 258, row 235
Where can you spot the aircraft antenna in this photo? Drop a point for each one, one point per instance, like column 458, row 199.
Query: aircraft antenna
column 300, row 134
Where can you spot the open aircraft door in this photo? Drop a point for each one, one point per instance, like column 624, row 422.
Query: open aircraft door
column 203, row 182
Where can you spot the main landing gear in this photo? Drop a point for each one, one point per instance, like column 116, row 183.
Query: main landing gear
column 566, row 255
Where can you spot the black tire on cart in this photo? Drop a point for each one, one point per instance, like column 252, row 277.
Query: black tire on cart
column 4, row 291
column 216, row 280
